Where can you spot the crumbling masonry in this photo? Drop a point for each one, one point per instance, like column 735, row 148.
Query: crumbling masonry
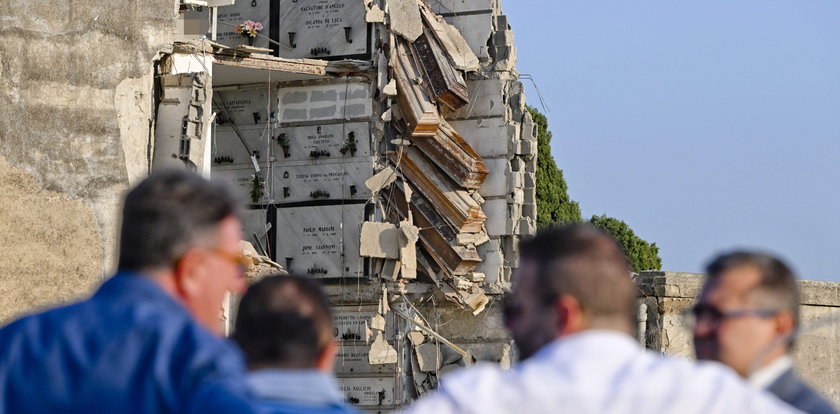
column 385, row 149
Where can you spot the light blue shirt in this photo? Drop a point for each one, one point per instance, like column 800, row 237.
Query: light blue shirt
column 297, row 391
column 598, row 372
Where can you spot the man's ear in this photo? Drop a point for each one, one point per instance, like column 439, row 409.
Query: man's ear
column 785, row 323
column 570, row 317
column 326, row 359
column 186, row 284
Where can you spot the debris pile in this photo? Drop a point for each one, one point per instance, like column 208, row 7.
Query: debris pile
column 430, row 187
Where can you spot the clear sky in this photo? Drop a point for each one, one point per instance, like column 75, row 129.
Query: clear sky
column 705, row 125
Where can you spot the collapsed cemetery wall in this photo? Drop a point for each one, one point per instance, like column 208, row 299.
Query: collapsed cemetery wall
column 402, row 177
column 75, row 108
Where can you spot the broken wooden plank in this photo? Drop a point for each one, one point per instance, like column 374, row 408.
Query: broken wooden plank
column 436, row 237
column 448, row 150
column 455, row 205
column 417, row 105
column 446, row 84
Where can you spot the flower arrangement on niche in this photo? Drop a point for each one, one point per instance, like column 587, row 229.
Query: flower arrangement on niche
column 249, row 29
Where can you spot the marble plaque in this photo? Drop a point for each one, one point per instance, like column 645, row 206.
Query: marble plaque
column 476, row 29
column 240, row 177
column 324, row 143
column 253, row 222
column 245, row 108
column 320, row 241
column 242, row 10
column 352, row 358
column 323, row 29
column 456, row 7
column 368, row 391
column 228, row 148
column 350, row 324
column 315, row 181
column 324, row 102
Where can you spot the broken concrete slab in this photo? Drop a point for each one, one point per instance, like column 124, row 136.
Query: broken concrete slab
column 380, row 240
column 416, row 337
column 381, row 352
column 451, row 40
column 390, row 88
column 496, row 184
column 486, row 99
column 352, row 358
column 475, row 239
column 374, row 14
column 409, row 235
column 377, row 322
column 428, row 357
column 488, row 137
column 381, row 179
column 404, row 19
column 491, row 265
column 390, row 270
column 497, row 214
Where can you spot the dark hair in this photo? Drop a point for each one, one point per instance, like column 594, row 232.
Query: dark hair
column 283, row 321
column 777, row 288
column 166, row 214
column 584, row 262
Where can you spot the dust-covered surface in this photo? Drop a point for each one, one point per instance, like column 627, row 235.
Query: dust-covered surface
column 50, row 242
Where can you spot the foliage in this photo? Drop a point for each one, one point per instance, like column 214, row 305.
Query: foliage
column 554, row 206
column 641, row 254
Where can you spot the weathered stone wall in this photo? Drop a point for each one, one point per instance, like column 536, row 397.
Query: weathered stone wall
column 75, row 110
column 817, row 350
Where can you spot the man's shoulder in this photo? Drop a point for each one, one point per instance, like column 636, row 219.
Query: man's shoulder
column 791, row 389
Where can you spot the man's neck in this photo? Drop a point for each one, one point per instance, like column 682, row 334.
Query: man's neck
column 767, row 374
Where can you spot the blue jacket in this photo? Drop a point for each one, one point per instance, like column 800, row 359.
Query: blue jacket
column 790, row 389
column 131, row 348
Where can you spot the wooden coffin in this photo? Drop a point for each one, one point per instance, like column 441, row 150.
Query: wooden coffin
column 417, row 105
column 448, row 150
column 446, row 84
column 455, row 205
column 436, row 237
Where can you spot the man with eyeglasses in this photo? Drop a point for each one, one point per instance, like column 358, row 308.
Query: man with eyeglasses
column 148, row 340
column 746, row 317
column 571, row 314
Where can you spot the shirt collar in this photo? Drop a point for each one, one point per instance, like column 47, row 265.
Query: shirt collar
column 590, row 343
column 764, row 376
column 307, row 386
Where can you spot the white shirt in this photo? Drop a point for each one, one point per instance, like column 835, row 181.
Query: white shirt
column 763, row 377
column 598, row 372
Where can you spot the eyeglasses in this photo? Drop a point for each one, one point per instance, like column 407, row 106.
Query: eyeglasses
column 713, row 315
column 238, row 259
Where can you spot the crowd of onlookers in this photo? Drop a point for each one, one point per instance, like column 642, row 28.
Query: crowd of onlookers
column 149, row 339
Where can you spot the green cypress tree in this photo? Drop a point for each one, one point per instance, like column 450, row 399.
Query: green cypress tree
column 641, row 254
column 554, row 206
